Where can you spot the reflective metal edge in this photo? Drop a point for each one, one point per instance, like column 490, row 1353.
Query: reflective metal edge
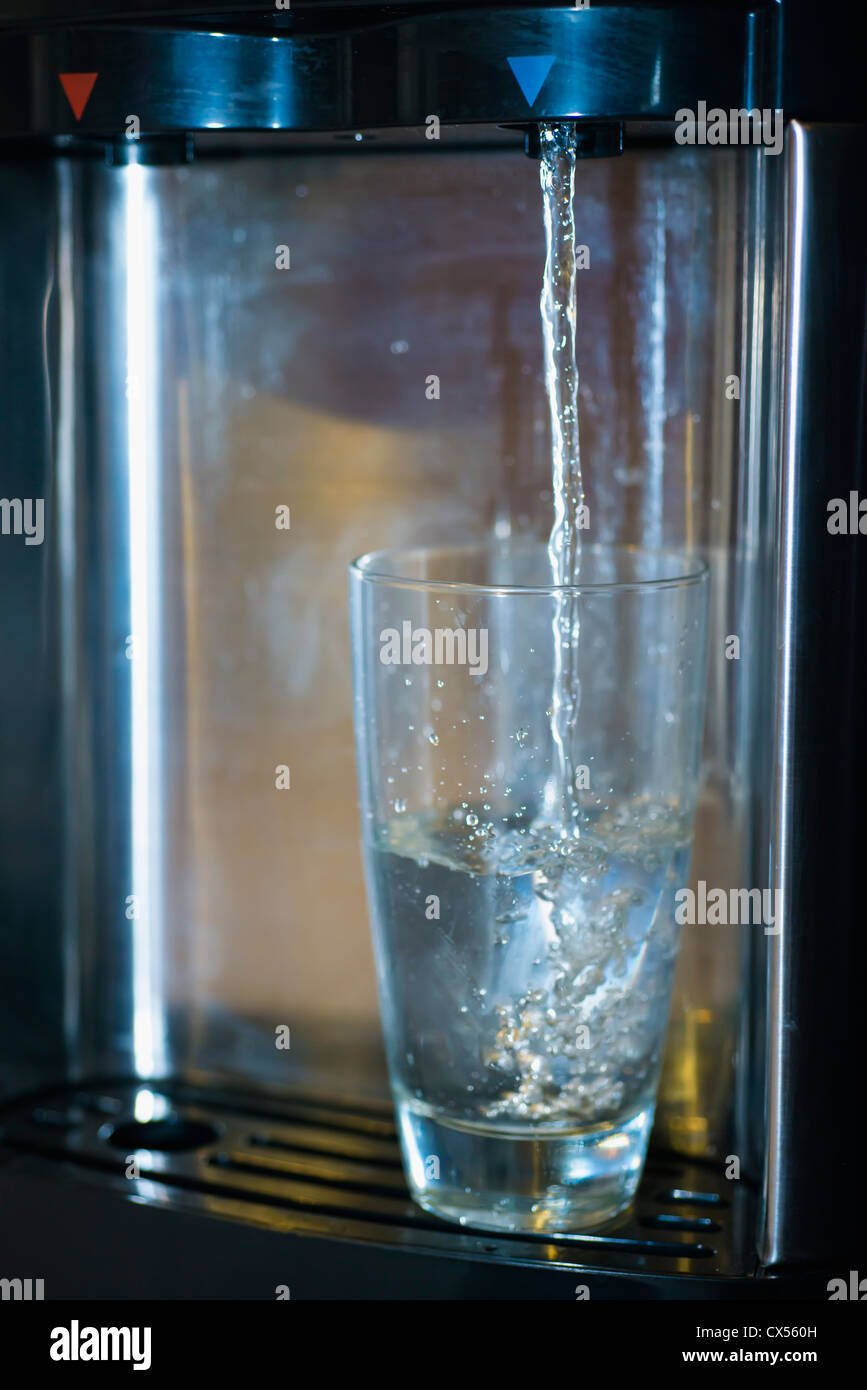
column 812, row 1209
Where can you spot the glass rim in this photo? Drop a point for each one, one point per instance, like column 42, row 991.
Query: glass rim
column 692, row 570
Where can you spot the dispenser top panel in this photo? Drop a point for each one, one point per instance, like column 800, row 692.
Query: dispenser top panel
column 178, row 67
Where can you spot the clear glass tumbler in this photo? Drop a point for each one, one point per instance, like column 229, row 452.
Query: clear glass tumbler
column 522, row 869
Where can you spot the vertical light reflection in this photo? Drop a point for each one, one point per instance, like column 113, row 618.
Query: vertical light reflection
column 654, row 415
column 782, row 846
column 197, row 769
column 655, row 460
column 656, row 81
column 67, row 523
column 689, row 481
column 146, row 733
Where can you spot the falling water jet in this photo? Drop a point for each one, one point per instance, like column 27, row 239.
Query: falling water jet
column 559, row 152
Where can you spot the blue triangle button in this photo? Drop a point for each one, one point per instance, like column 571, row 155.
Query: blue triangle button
column 531, row 73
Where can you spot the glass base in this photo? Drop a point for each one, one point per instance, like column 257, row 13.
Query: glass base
column 558, row 1182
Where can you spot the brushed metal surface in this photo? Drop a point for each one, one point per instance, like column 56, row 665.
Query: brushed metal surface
column 612, row 61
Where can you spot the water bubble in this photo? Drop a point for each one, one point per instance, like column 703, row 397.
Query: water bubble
column 434, row 739
column 399, row 806
column 472, row 819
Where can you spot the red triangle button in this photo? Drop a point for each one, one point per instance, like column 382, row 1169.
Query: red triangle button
column 78, row 87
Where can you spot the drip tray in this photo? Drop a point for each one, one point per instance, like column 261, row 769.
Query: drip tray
column 319, row 1179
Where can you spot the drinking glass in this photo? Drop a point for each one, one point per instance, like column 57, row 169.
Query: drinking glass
column 522, row 874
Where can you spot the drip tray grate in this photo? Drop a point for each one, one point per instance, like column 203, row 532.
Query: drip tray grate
column 316, row 1165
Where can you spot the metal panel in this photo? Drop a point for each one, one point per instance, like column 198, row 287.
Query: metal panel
column 31, row 799
column 816, row 991
column 607, row 61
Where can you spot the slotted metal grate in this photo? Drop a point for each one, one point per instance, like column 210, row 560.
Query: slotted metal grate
column 321, row 1165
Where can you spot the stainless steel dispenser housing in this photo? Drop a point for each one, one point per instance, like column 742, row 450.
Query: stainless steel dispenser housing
column 228, row 264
